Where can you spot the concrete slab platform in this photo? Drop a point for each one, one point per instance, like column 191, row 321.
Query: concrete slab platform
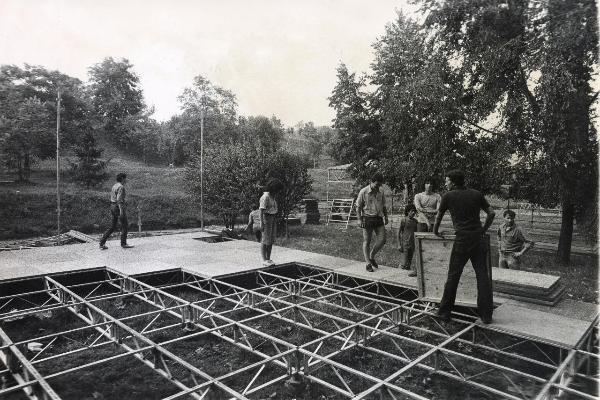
column 40, row 258
column 282, row 255
column 143, row 267
column 400, row 277
column 566, row 308
column 539, row 325
column 563, row 324
column 251, row 259
column 357, row 269
column 12, row 262
column 18, row 271
column 68, row 266
column 325, row 261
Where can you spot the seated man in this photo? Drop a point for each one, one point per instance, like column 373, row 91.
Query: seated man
column 512, row 243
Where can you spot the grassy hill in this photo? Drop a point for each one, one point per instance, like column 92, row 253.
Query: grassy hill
column 156, row 197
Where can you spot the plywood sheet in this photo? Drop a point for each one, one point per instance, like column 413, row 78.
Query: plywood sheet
column 326, row 262
column 526, row 291
column 433, row 258
column 527, row 279
column 551, row 300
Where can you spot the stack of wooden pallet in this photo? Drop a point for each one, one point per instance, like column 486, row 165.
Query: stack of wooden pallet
column 526, row 286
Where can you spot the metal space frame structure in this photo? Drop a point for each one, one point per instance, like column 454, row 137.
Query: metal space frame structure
column 296, row 327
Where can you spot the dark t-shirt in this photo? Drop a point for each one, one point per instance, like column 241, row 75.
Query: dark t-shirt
column 464, row 206
column 408, row 227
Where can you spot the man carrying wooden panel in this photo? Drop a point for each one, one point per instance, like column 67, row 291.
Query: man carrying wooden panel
column 464, row 206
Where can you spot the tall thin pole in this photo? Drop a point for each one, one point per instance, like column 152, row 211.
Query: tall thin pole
column 202, row 169
column 58, row 164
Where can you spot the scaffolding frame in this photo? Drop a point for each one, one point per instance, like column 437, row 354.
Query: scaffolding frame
column 343, row 317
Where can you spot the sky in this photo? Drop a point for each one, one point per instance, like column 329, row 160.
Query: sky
column 278, row 56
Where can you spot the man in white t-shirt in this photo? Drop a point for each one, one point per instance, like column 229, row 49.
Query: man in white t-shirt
column 427, row 204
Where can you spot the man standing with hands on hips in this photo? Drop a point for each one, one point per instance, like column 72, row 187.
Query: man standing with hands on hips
column 464, row 205
column 372, row 213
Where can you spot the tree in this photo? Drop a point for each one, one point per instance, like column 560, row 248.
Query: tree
column 89, row 170
column 415, row 100
column 416, row 106
column 144, row 136
column 358, row 134
column 179, row 135
column 116, row 96
column 235, row 175
column 28, row 133
column 267, row 131
column 318, row 139
column 232, row 174
column 28, row 113
column 530, row 64
column 219, row 108
column 291, row 170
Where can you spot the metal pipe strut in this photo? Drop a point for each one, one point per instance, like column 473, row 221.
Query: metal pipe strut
column 340, row 314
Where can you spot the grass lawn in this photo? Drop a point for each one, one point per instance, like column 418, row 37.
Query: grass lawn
column 580, row 278
column 157, row 198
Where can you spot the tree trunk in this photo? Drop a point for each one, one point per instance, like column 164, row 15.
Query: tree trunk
column 566, row 231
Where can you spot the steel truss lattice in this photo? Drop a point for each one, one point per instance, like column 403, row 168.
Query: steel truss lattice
column 292, row 328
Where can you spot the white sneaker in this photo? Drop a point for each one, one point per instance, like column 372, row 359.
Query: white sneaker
column 266, row 263
column 271, row 262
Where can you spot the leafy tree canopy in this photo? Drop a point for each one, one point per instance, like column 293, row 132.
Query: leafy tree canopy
column 116, row 96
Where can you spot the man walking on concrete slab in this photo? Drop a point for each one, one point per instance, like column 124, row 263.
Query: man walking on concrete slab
column 464, row 206
column 118, row 212
column 372, row 213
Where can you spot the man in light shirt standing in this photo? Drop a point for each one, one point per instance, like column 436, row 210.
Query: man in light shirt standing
column 427, row 204
column 118, row 212
column 372, row 213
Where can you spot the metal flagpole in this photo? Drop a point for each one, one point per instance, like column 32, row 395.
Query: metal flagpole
column 202, row 169
column 58, row 163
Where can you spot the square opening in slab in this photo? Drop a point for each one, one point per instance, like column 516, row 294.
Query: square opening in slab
column 214, row 239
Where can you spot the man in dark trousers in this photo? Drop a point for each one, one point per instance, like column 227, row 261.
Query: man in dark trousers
column 372, row 213
column 464, row 206
column 118, row 212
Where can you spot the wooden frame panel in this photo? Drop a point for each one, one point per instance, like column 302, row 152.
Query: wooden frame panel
column 433, row 258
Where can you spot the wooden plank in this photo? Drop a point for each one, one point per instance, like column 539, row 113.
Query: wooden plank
column 520, row 291
column 433, row 257
column 551, row 300
column 81, row 236
column 532, row 280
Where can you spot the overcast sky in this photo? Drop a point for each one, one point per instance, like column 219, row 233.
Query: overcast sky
column 279, row 57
